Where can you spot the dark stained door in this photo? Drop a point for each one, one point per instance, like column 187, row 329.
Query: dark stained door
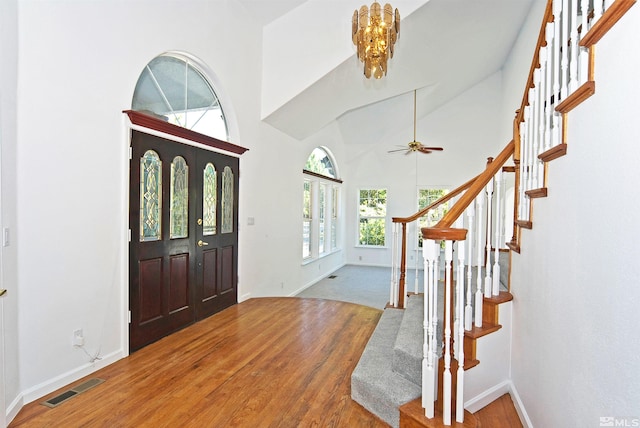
column 181, row 268
column 216, row 233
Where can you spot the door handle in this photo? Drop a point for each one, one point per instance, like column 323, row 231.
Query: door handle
column 3, row 291
column 201, row 243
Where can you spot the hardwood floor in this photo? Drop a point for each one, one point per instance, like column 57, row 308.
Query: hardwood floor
column 499, row 414
column 268, row 362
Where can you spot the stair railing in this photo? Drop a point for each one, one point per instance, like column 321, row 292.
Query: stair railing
column 471, row 219
column 397, row 288
column 560, row 78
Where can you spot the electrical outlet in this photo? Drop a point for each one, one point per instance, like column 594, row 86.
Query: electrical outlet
column 78, row 338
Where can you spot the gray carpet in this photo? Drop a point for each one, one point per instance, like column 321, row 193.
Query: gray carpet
column 365, row 285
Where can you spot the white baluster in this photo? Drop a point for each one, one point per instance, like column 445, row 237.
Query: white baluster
column 530, row 136
column 557, row 41
column 573, row 62
column 487, row 265
column 583, row 52
column 523, row 169
column 479, row 249
column 416, row 287
column 446, row 377
column 393, row 289
column 429, row 369
column 460, row 332
column 548, row 80
column 564, row 41
column 468, row 309
column 607, row 4
column 495, row 289
column 597, row 11
column 537, row 128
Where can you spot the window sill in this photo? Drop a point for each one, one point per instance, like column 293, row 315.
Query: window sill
column 321, row 256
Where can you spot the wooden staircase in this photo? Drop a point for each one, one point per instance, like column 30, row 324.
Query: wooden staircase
column 412, row 413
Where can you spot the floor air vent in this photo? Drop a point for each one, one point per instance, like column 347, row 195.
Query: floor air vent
column 78, row 389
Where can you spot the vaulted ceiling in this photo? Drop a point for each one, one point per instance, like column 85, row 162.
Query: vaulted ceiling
column 311, row 76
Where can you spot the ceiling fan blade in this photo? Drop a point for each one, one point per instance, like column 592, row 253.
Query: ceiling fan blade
column 394, row 151
column 433, row 148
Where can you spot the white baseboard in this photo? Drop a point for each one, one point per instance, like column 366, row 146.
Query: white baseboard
column 14, row 408
column 522, row 412
column 69, row 377
column 487, row 397
column 314, row 281
column 490, row 395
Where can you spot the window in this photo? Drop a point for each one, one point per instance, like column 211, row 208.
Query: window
column 320, row 211
column 425, row 198
column 372, row 215
column 173, row 88
column 306, row 220
column 321, row 215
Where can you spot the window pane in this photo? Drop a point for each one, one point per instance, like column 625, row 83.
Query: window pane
column 172, row 88
column 306, row 239
column 427, row 197
column 372, row 213
column 372, row 231
column 334, row 218
column 179, row 208
column 321, row 215
column 227, row 201
column 320, row 162
column 150, row 196
column 306, row 201
column 209, row 200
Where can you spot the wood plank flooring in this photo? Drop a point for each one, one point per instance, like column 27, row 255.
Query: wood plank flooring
column 268, row 362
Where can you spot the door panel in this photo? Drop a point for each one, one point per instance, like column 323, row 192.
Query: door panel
column 209, row 274
column 174, row 281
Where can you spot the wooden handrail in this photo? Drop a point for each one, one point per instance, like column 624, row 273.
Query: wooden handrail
column 548, row 17
column 469, row 196
column 434, row 204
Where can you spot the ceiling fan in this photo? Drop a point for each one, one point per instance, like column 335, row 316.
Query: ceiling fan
column 415, row 146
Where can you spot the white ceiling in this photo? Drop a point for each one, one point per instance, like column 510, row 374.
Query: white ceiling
column 445, row 48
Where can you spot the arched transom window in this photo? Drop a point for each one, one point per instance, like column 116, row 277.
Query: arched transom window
column 173, row 87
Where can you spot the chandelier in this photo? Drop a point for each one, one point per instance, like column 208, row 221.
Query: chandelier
column 374, row 32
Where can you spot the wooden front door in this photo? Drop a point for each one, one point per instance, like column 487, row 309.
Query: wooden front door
column 183, row 249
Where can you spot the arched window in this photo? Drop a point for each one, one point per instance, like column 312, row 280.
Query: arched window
column 321, row 209
column 173, row 87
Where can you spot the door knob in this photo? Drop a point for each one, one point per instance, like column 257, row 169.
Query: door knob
column 3, row 291
column 201, row 243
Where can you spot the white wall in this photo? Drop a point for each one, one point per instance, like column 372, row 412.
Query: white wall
column 77, row 73
column 467, row 128
column 8, row 194
column 576, row 353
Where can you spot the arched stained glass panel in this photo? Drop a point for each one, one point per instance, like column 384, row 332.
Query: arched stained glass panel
column 150, row 196
column 227, row 201
column 179, row 210
column 209, row 200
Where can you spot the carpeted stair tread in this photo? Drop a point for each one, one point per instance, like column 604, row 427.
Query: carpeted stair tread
column 407, row 352
column 374, row 384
